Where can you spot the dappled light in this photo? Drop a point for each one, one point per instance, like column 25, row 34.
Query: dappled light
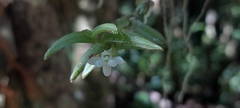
column 119, row 54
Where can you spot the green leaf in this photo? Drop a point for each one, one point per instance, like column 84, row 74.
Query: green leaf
column 107, row 27
column 198, row 26
column 75, row 37
column 115, row 38
column 94, row 50
column 129, row 40
column 137, row 42
column 146, row 31
column 87, row 69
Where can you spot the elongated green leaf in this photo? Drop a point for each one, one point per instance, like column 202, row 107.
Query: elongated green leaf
column 87, row 69
column 115, row 38
column 107, row 27
column 146, row 31
column 137, row 42
column 76, row 37
column 130, row 40
column 94, row 50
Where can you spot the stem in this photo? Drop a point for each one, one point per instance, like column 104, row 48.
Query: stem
column 147, row 15
column 187, row 76
column 168, row 32
column 187, row 36
column 100, row 3
column 185, row 19
column 198, row 18
column 165, row 32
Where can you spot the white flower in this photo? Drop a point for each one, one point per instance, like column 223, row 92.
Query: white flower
column 106, row 61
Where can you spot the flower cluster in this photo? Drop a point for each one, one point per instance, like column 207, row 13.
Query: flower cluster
column 106, row 61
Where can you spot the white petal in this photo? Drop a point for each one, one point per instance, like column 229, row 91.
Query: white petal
column 87, row 69
column 100, row 63
column 107, row 70
column 105, row 53
column 119, row 60
column 93, row 60
column 112, row 63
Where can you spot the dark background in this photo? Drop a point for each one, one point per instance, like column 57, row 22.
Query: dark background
column 29, row 27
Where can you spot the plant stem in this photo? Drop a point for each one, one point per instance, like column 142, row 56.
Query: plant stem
column 187, row 36
column 198, row 18
column 168, row 31
column 187, row 76
column 185, row 18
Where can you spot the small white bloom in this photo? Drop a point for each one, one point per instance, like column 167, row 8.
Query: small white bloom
column 106, row 61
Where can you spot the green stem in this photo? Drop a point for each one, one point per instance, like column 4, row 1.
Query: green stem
column 185, row 18
column 187, row 36
column 168, row 30
column 187, row 76
column 198, row 18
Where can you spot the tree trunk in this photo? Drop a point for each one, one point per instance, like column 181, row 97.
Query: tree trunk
column 45, row 84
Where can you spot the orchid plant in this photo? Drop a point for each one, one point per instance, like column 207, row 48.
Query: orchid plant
column 128, row 32
column 106, row 61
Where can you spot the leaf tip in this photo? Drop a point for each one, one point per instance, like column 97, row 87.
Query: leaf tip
column 72, row 78
column 83, row 76
column 161, row 49
column 45, row 58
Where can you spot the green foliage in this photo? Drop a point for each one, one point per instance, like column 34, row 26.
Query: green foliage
column 94, row 50
column 236, row 34
column 142, row 100
column 146, row 31
column 143, row 7
column 208, row 59
column 199, row 26
column 104, row 28
column 130, row 33
column 76, row 37
column 138, row 42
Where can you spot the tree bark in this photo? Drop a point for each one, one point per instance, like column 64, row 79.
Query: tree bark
column 45, row 84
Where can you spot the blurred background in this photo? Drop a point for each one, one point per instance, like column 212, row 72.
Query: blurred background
column 29, row 27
